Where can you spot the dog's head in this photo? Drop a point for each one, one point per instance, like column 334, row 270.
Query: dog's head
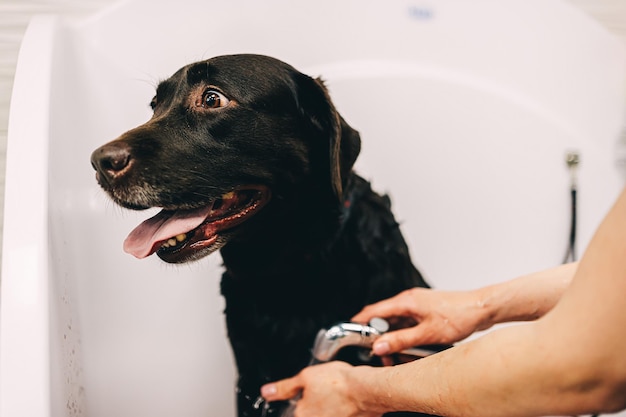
column 228, row 137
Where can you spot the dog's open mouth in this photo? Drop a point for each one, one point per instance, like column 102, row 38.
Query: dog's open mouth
column 177, row 235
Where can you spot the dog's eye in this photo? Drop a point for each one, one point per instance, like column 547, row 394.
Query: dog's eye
column 212, row 99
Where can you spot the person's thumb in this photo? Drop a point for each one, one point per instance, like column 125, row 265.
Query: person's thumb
column 398, row 340
column 281, row 390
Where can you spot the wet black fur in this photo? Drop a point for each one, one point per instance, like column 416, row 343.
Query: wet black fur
column 324, row 246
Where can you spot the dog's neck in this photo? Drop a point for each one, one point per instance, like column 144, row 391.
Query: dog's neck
column 286, row 238
column 277, row 251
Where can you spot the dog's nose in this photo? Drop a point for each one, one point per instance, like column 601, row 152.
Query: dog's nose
column 111, row 160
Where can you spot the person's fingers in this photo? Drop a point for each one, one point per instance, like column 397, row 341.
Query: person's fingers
column 393, row 306
column 282, row 390
column 387, row 361
column 398, row 340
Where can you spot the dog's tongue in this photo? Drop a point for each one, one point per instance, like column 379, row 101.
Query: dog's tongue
column 145, row 239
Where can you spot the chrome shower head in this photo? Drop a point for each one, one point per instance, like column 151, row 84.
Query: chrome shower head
column 329, row 342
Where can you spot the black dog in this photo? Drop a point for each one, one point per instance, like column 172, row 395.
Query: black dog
column 247, row 155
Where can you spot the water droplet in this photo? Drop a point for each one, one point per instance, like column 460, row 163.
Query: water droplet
column 260, row 400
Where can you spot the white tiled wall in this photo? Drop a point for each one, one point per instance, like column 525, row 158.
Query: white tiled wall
column 15, row 14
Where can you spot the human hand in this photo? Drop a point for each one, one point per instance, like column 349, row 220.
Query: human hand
column 328, row 390
column 443, row 317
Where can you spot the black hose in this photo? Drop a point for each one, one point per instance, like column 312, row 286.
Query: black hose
column 570, row 254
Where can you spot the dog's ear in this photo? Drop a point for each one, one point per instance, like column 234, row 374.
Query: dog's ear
column 343, row 143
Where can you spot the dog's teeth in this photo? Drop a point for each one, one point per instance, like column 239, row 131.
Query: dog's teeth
column 173, row 241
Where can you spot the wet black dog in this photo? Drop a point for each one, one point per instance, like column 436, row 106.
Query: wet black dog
column 247, row 155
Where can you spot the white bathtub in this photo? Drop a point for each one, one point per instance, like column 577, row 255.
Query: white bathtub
column 482, row 99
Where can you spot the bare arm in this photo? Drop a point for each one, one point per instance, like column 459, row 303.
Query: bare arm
column 450, row 316
column 568, row 362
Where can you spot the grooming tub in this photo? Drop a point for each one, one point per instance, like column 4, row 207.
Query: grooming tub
column 466, row 112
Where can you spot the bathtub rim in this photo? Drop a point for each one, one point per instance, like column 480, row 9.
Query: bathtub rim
column 24, row 302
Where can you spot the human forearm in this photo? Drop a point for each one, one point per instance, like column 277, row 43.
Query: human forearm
column 450, row 316
column 466, row 380
column 525, row 298
column 518, row 371
column 515, row 372
column 569, row 362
